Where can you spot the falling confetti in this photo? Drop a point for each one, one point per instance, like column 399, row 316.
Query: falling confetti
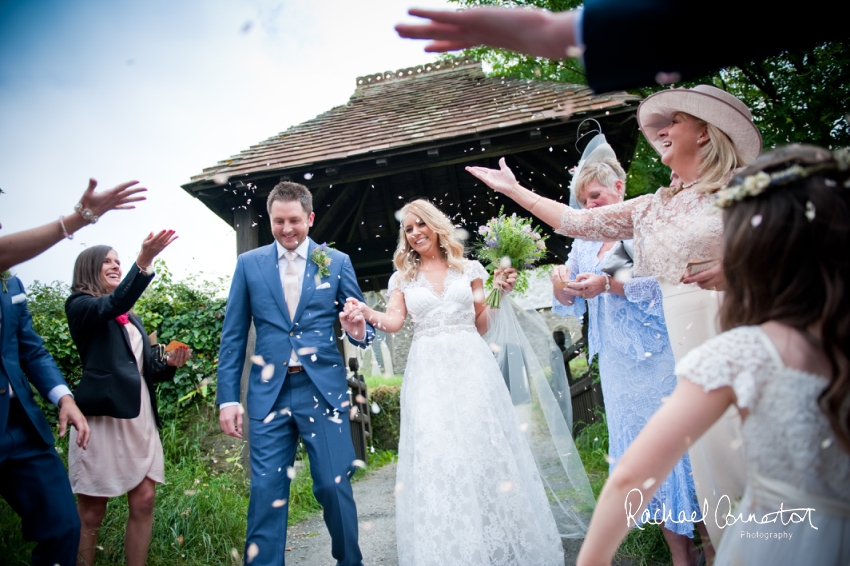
column 398, row 488
column 269, row 418
column 308, row 176
column 826, row 443
column 290, row 472
column 337, row 479
column 267, row 372
column 258, row 360
column 358, row 464
column 252, row 552
column 755, row 220
column 649, row 483
column 810, row 210
column 306, row 351
column 506, row 486
column 278, row 503
column 375, row 408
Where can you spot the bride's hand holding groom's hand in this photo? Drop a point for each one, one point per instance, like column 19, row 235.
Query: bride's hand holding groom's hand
column 353, row 319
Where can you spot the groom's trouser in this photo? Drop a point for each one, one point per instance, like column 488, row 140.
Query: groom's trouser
column 331, row 453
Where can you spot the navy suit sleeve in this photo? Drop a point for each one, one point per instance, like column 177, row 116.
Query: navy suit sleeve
column 84, row 310
column 36, row 362
column 628, row 42
column 234, row 337
column 348, row 287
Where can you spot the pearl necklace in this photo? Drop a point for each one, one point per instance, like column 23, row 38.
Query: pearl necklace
column 691, row 184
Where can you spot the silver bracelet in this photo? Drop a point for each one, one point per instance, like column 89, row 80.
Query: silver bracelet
column 64, row 231
column 86, row 213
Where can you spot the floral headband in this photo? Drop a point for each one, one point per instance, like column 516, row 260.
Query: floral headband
column 747, row 186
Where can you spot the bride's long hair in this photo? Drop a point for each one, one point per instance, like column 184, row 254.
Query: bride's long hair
column 406, row 259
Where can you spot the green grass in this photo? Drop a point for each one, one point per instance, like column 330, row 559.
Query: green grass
column 645, row 547
column 201, row 514
column 373, row 381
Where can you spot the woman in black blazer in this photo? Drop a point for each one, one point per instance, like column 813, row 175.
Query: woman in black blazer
column 116, row 394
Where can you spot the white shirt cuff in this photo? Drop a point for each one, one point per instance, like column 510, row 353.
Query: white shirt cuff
column 228, row 404
column 57, row 393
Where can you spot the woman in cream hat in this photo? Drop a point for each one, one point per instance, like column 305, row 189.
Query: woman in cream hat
column 703, row 134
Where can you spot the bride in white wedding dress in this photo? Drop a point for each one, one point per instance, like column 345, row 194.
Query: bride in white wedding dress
column 468, row 489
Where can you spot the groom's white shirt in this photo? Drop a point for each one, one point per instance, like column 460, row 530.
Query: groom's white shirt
column 282, row 264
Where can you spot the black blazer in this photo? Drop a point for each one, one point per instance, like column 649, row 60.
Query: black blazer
column 110, row 384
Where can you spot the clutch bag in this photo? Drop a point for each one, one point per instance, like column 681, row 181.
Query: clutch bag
column 620, row 257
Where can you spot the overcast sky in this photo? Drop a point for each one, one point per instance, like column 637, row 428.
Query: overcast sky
column 156, row 90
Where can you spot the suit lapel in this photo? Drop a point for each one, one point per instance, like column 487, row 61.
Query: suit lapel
column 268, row 264
column 308, row 285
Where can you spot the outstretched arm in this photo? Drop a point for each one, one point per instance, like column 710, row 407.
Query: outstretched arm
column 536, row 32
column 603, row 224
column 390, row 321
column 685, row 417
column 19, row 247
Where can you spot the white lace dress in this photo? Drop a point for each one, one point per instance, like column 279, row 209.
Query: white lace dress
column 670, row 231
column 468, row 490
column 793, row 458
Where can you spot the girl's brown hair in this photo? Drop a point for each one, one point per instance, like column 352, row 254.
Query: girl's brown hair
column 87, row 270
column 786, row 260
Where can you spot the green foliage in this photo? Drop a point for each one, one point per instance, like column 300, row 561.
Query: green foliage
column 513, row 237
column 192, row 313
column 386, row 423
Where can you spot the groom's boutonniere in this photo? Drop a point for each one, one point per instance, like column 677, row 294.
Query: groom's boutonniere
column 322, row 258
column 5, row 277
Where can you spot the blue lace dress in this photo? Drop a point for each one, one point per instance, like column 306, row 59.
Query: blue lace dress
column 636, row 370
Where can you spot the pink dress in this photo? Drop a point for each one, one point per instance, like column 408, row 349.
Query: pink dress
column 121, row 452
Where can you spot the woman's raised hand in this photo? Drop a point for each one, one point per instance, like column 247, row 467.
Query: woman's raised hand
column 178, row 357
column 116, row 198
column 501, row 180
column 153, row 245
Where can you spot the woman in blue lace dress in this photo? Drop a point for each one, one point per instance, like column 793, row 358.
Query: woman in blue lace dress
column 628, row 332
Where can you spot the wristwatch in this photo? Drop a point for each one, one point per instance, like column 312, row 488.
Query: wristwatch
column 607, row 282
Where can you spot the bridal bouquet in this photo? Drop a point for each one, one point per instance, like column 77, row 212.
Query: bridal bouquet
column 509, row 241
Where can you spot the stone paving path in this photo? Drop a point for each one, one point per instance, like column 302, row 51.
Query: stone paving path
column 311, row 544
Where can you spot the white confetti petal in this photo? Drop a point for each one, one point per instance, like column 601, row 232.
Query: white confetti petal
column 252, row 552
column 375, row 408
column 278, row 503
column 756, row 220
column 306, row 351
column 506, row 486
column 313, row 357
column 523, row 427
column 398, row 488
column 649, row 483
column 290, row 472
column 267, row 373
column 258, row 360
column 269, row 418
column 826, row 443
column 358, row 464
column 337, row 479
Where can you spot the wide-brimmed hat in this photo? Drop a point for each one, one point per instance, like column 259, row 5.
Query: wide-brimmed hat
column 708, row 103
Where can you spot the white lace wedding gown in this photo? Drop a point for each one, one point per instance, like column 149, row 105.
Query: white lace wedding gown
column 468, row 490
column 793, row 458
column 670, row 231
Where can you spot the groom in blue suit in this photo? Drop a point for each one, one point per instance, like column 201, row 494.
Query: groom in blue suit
column 293, row 291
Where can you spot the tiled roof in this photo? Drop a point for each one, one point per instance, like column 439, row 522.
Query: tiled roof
column 415, row 106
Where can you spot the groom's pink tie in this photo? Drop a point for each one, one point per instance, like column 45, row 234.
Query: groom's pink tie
column 290, row 284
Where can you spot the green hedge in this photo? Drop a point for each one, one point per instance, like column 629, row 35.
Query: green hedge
column 385, row 424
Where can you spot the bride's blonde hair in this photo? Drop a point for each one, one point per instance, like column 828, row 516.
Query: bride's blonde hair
column 406, row 259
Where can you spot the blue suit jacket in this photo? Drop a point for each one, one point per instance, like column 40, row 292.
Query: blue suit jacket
column 22, row 356
column 256, row 292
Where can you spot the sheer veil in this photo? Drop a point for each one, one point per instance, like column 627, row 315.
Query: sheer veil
column 533, row 369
